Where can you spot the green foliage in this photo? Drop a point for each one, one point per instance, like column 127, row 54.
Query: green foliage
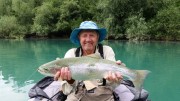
column 73, row 12
column 44, row 16
column 22, row 9
column 136, row 28
column 166, row 24
column 8, row 26
column 119, row 11
column 5, row 7
column 69, row 13
column 159, row 18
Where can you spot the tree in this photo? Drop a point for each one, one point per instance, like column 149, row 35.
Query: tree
column 69, row 15
column 166, row 24
column 44, row 17
column 119, row 10
column 136, row 28
column 5, row 7
column 8, row 26
column 23, row 10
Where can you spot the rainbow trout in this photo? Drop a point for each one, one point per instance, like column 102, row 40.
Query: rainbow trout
column 93, row 67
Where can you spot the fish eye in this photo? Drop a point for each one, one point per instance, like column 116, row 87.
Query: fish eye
column 46, row 69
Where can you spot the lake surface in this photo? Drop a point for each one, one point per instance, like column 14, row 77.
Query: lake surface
column 19, row 60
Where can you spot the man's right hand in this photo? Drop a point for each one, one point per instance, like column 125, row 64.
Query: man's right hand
column 64, row 74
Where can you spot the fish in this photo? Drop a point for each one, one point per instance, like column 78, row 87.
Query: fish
column 93, row 67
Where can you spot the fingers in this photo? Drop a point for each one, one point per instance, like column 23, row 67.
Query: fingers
column 119, row 62
column 63, row 73
column 119, row 76
column 114, row 77
column 57, row 75
column 67, row 74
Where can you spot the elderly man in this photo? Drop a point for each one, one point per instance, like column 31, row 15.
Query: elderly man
column 88, row 35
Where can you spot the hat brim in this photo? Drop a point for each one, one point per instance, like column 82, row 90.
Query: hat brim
column 74, row 35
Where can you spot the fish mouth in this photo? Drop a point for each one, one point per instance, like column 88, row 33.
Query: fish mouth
column 39, row 70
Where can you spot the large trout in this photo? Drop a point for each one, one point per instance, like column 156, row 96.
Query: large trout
column 93, row 67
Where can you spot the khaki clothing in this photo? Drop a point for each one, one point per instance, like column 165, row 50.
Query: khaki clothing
column 99, row 93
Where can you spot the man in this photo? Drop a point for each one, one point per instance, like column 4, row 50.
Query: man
column 88, row 35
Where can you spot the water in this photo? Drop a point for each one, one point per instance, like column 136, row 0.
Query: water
column 19, row 60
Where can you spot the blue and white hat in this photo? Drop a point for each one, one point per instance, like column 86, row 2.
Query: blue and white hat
column 87, row 25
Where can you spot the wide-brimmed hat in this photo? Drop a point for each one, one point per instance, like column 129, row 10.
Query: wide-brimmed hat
column 87, row 25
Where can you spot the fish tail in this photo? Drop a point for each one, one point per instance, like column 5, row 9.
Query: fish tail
column 139, row 79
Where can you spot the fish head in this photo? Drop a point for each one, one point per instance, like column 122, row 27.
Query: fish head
column 49, row 69
column 44, row 71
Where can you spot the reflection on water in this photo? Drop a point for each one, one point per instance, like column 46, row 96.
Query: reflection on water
column 10, row 91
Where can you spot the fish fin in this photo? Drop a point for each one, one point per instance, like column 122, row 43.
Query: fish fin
column 96, row 55
column 139, row 80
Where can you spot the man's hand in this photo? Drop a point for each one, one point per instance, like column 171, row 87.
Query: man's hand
column 119, row 62
column 64, row 74
column 114, row 77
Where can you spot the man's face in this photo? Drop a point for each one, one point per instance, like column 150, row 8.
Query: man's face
column 88, row 39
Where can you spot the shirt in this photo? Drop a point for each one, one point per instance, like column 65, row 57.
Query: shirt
column 107, row 50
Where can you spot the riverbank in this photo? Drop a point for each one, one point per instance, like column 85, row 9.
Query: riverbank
column 66, row 36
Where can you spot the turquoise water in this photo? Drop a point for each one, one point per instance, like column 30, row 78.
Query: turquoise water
column 19, row 60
